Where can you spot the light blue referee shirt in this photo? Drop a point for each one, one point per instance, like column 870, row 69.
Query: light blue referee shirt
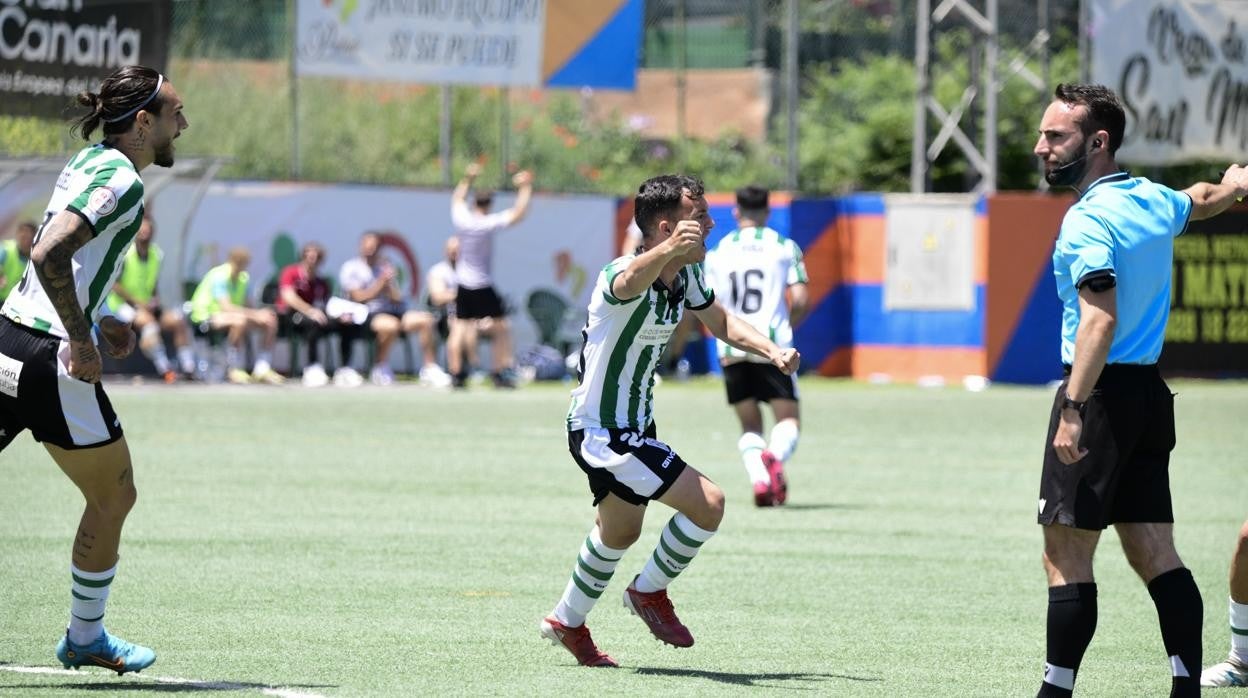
column 1124, row 227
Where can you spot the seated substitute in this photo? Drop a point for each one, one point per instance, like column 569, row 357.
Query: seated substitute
column 135, row 300
column 221, row 301
column 301, row 299
column 370, row 280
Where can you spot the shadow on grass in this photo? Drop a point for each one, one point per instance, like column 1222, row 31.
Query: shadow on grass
column 752, row 679
column 816, row 506
column 155, row 684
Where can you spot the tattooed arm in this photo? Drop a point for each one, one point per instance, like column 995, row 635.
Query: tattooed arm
column 52, row 260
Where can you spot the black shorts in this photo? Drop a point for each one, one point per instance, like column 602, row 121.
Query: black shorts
column 1128, row 431
column 635, row 467
column 477, row 303
column 37, row 393
column 747, row 380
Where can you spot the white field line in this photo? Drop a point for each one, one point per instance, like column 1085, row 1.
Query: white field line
column 170, row 680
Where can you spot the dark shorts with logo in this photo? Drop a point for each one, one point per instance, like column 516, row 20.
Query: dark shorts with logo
column 37, row 393
column 749, row 380
column 1128, row 431
column 634, row 466
column 478, row 303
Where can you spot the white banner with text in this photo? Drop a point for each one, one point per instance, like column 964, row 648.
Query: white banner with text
column 1180, row 68
column 484, row 42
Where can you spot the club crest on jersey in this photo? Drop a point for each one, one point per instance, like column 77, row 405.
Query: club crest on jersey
column 102, row 202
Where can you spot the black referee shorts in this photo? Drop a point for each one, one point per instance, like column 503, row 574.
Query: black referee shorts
column 37, row 393
column 1128, row 431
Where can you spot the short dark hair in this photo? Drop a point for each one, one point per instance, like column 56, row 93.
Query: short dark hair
column 1104, row 110
column 483, row 198
column 28, row 225
column 130, row 88
column 752, row 198
column 659, row 196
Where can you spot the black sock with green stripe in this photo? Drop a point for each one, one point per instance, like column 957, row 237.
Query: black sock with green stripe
column 681, row 540
column 594, row 566
column 88, row 592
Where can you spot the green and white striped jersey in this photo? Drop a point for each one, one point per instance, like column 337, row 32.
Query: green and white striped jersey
column 624, row 340
column 750, row 270
column 102, row 187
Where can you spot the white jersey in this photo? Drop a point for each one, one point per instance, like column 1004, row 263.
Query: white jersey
column 624, row 339
column 750, row 271
column 101, row 186
column 476, row 244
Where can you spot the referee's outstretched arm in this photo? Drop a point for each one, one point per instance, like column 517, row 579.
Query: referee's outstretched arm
column 1208, row 200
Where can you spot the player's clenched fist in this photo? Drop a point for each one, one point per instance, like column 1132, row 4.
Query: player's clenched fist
column 687, row 237
column 787, row 360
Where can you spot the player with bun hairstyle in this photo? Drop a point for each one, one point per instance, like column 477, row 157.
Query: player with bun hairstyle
column 50, row 326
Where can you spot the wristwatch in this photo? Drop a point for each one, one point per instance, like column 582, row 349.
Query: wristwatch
column 1070, row 403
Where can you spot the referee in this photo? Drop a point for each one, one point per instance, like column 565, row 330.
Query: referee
column 1111, row 430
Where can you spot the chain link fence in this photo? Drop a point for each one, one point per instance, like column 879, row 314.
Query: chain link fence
column 711, row 100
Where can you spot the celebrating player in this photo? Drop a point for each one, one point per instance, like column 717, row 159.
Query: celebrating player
column 636, row 303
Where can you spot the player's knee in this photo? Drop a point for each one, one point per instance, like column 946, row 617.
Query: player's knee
column 618, row 537
column 1242, row 547
column 115, row 504
column 714, row 512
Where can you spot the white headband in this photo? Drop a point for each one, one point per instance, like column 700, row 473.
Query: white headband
column 160, row 80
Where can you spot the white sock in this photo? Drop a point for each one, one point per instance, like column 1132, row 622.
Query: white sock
column 783, row 439
column 1239, row 632
column 680, row 541
column 262, row 366
column 150, row 335
column 186, row 358
column 264, row 358
column 594, row 567
column 89, row 592
column 233, row 356
column 751, row 446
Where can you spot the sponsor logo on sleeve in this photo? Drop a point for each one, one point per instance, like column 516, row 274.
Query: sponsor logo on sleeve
column 102, row 202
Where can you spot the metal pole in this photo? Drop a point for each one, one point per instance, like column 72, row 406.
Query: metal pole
column 504, row 136
column 444, row 136
column 1085, row 60
column 1045, row 76
column 790, row 91
column 918, row 154
column 294, row 91
column 989, row 185
column 682, row 65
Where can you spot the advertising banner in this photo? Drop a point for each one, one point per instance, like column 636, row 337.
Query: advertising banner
column 1181, row 70
column 527, row 43
column 53, row 49
column 1208, row 329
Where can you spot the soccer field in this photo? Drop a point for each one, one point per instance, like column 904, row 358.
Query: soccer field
column 403, row 541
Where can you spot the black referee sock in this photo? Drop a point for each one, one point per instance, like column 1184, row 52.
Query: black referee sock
column 1180, row 612
column 1071, row 623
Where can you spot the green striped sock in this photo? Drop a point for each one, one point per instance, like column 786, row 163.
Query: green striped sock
column 1239, row 631
column 594, row 566
column 88, row 592
column 680, row 541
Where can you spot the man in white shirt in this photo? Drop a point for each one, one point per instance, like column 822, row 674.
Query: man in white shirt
column 476, row 298
column 368, row 279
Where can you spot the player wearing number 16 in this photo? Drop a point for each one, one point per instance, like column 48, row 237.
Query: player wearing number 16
column 759, row 276
column 49, row 364
column 637, row 302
